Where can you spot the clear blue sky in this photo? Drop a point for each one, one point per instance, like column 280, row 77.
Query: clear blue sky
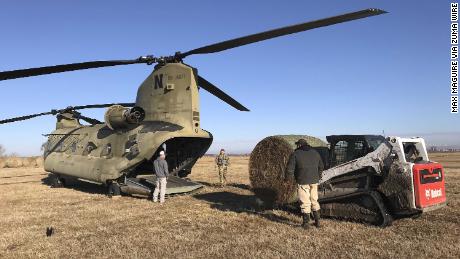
column 389, row 72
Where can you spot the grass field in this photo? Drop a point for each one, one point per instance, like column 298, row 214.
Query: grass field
column 213, row 222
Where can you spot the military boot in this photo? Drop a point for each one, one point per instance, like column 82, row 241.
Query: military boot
column 305, row 221
column 316, row 217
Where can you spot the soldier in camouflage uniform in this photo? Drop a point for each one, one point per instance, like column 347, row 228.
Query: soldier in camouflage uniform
column 222, row 162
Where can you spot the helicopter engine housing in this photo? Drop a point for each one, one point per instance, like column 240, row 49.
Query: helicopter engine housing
column 119, row 117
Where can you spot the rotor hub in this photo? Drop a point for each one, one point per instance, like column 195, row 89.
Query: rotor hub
column 150, row 59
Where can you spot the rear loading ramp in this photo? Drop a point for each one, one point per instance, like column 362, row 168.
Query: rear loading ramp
column 175, row 185
column 146, row 184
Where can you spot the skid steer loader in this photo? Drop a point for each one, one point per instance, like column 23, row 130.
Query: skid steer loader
column 374, row 179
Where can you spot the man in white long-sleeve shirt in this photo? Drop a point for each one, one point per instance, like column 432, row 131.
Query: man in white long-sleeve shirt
column 161, row 170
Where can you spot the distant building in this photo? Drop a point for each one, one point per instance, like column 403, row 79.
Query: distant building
column 443, row 149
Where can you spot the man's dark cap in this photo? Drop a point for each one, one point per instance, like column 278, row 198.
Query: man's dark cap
column 301, row 142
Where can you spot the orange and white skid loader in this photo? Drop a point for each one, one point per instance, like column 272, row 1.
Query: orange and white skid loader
column 375, row 179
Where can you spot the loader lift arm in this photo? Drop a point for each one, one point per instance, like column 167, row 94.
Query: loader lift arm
column 374, row 159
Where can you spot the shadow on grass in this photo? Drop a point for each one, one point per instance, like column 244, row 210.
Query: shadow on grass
column 240, row 186
column 207, row 184
column 239, row 203
column 77, row 185
column 235, row 185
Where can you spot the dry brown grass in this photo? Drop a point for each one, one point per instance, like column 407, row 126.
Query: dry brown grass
column 215, row 222
column 18, row 162
column 449, row 160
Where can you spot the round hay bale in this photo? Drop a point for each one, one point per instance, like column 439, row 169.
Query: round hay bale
column 39, row 161
column 25, row 162
column 33, row 161
column 13, row 162
column 29, row 162
column 267, row 168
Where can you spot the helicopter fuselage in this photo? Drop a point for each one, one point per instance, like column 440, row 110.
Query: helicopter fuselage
column 98, row 153
column 166, row 115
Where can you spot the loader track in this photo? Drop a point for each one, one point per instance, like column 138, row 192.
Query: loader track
column 365, row 206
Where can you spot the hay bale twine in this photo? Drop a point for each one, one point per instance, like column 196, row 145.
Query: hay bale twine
column 13, row 162
column 267, row 166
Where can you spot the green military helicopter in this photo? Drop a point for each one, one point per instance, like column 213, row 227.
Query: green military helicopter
column 166, row 116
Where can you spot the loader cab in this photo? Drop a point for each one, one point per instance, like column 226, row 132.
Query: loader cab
column 410, row 150
column 345, row 148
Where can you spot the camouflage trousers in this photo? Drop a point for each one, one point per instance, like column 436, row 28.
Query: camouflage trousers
column 308, row 196
column 222, row 174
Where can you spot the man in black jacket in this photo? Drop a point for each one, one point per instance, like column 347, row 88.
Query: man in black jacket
column 306, row 166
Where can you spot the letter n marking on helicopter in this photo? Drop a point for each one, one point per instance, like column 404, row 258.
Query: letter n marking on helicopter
column 158, row 81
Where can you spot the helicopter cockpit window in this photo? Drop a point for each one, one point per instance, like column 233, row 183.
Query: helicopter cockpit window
column 89, row 148
column 107, row 151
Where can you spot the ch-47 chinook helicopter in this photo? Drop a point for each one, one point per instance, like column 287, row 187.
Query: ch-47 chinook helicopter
column 165, row 116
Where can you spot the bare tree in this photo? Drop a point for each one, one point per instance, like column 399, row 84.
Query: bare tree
column 2, row 151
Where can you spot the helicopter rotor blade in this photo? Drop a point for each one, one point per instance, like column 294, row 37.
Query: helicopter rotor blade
column 92, row 106
column 214, row 90
column 233, row 43
column 27, row 117
column 7, row 75
column 70, row 109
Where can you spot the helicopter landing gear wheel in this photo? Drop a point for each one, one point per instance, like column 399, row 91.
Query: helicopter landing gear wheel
column 113, row 189
column 183, row 173
column 56, row 181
